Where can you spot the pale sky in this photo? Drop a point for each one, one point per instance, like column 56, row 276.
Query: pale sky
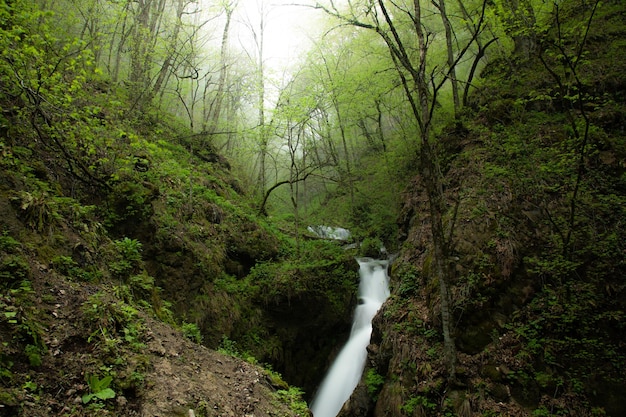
column 287, row 28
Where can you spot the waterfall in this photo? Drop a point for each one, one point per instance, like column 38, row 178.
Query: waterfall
column 346, row 370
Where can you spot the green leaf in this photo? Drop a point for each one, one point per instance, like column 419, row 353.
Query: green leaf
column 105, row 394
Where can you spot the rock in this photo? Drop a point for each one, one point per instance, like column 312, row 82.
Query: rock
column 500, row 392
column 359, row 403
column 491, row 372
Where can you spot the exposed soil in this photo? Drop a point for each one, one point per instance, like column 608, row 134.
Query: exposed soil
column 186, row 375
column 177, row 376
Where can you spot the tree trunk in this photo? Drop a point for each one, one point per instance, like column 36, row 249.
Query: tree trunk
column 167, row 63
column 451, row 62
column 522, row 26
column 432, row 178
column 212, row 117
column 429, row 165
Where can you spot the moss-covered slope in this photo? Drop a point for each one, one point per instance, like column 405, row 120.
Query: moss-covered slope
column 536, row 186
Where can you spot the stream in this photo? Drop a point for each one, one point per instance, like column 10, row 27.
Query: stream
column 345, row 372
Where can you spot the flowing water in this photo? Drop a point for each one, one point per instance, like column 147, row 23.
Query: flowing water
column 346, row 370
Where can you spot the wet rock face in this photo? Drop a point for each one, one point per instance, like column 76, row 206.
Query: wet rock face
column 308, row 331
column 359, row 404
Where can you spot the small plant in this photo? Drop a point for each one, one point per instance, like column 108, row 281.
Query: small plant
column 292, row 397
column 129, row 257
column 99, row 388
column 192, row 332
column 541, row 412
column 129, row 249
column 34, row 356
column 13, row 268
column 276, row 379
column 419, row 402
column 67, row 266
column 40, row 210
column 30, row 386
column 409, row 281
column 132, row 335
column 7, row 243
column 431, row 334
column 432, row 352
column 374, row 382
column 142, row 282
column 228, row 347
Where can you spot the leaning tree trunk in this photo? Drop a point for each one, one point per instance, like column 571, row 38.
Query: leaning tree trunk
column 431, row 175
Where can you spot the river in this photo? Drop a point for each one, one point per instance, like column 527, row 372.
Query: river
column 347, row 368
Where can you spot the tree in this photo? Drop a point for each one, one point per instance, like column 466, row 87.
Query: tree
column 409, row 42
column 257, row 29
column 441, row 6
column 213, row 112
column 572, row 92
column 293, row 122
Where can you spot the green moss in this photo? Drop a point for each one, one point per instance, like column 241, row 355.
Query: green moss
column 13, row 269
column 374, row 382
column 8, row 397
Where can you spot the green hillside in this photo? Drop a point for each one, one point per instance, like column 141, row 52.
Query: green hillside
column 157, row 182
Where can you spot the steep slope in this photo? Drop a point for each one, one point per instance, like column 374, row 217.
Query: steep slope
column 121, row 229
column 63, row 338
column 92, row 321
column 536, row 192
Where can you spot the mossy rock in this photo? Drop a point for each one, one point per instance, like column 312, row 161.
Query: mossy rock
column 370, row 247
column 8, row 398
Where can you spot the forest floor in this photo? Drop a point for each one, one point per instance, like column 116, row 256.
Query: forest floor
column 169, row 374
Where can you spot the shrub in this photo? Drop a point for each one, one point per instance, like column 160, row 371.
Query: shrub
column 374, row 382
column 292, row 397
column 371, row 247
column 192, row 332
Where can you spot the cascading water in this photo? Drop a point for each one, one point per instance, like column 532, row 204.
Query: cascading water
column 345, row 373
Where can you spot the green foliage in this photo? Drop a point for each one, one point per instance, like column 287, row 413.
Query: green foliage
column 292, row 397
column 33, row 354
column 374, row 382
column 409, row 278
column 276, row 379
column 8, row 243
column 25, row 325
column 67, row 266
column 13, row 268
column 192, row 332
column 129, row 201
column 128, row 257
column 322, row 267
column 113, row 323
column 418, row 402
column 59, row 122
column 371, row 247
column 40, row 210
column 99, row 388
column 228, row 347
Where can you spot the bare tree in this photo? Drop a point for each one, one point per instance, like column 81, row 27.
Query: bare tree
column 421, row 84
column 213, row 111
column 257, row 29
column 441, row 6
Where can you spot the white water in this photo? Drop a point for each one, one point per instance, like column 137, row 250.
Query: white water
column 327, row 232
column 345, row 373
